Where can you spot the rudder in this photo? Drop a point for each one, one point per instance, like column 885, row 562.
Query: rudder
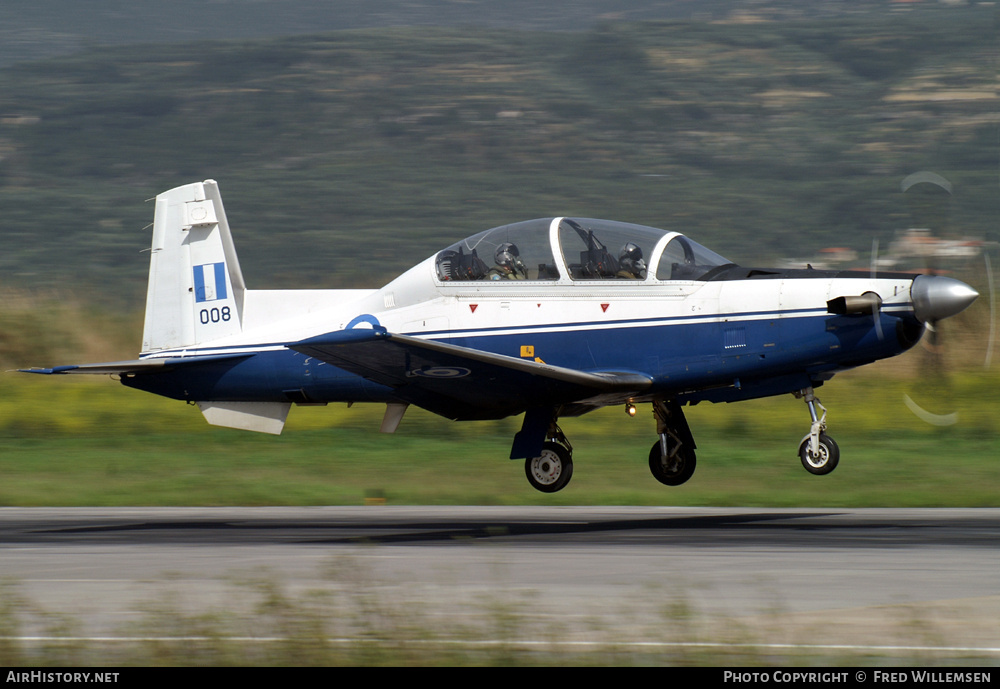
column 196, row 289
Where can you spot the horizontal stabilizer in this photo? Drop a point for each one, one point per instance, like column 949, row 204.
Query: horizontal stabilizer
column 459, row 382
column 135, row 366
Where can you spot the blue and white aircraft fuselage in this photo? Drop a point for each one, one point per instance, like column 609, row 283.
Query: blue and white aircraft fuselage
column 550, row 317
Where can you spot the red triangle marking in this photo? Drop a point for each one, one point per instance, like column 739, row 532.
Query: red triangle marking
column 604, row 307
column 473, row 307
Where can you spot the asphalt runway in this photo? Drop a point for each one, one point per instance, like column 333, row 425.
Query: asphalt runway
column 927, row 580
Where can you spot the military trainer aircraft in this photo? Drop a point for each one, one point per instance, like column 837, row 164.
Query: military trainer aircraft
column 548, row 318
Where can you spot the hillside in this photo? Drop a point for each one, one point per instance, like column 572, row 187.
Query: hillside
column 31, row 30
column 345, row 157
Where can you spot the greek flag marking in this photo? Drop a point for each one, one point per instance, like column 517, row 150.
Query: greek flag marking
column 210, row 282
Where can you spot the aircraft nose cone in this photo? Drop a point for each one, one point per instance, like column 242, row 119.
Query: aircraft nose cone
column 936, row 297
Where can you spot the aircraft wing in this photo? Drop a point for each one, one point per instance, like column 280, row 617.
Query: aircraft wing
column 135, row 366
column 460, row 382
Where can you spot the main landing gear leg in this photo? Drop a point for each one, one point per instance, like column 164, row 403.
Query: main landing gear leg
column 818, row 451
column 672, row 458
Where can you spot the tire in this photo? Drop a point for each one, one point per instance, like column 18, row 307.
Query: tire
column 673, row 473
column 827, row 459
column 550, row 471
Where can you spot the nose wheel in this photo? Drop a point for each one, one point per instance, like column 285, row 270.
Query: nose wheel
column 818, row 451
column 822, row 460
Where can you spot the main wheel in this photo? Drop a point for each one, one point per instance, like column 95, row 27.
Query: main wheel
column 551, row 470
column 671, row 471
column 825, row 460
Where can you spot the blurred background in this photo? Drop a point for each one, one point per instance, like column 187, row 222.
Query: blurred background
column 352, row 140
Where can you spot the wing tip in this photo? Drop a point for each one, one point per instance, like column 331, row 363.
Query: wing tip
column 55, row 370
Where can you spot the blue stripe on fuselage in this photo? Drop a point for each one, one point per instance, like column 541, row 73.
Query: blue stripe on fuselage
column 564, row 329
column 679, row 356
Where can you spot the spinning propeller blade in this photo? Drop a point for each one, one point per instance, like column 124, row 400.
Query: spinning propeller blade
column 873, row 270
column 936, row 297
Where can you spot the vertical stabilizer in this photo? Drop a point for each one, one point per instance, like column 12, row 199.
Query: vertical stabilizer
column 196, row 288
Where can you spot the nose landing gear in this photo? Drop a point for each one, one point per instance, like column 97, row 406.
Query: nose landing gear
column 818, row 451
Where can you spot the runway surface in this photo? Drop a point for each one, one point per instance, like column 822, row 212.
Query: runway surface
column 893, row 578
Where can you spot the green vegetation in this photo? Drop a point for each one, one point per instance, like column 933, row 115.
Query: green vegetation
column 77, row 442
column 87, row 440
column 346, row 157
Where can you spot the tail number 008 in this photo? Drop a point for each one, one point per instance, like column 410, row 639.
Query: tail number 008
column 214, row 315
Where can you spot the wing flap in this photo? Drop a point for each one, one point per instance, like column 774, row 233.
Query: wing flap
column 460, row 382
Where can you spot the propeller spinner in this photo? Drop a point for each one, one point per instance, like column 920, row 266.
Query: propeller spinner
column 936, row 297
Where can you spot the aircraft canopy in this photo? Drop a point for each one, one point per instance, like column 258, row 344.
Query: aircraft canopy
column 576, row 249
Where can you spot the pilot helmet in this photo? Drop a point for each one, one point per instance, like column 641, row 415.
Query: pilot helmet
column 630, row 259
column 507, row 255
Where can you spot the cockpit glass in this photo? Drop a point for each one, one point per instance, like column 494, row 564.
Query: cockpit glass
column 520, row 251
column 684, row 259
column 606, row 250
column 591, row 249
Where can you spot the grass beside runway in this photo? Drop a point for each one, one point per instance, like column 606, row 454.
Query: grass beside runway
column 78, row 441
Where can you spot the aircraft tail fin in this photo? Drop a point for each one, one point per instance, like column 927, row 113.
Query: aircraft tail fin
column 196, row 290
